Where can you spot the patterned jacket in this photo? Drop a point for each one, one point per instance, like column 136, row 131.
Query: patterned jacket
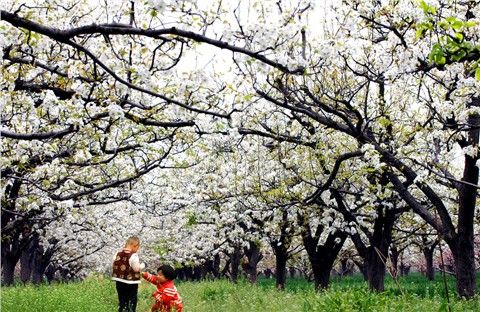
column 126, row 267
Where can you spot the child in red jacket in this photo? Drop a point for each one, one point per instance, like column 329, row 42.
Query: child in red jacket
column 166, row 295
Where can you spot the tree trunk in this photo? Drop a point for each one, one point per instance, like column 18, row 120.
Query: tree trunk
column 280, row 267
column 10, row 233
column 322, row 257
column 346, row 267
column 375, row 269
column 465, row 269
column 394, row 253
column 362, row 267
column 41, row 260
column 225, row 269
column 50, row 273
column 464, row 253
column 250, row 262
column 216, row 266
column 428, row 254
column 235, row 258
column 280, row 248
column 8, row 269
column 37, row 274
column 322, row 267
column 378, row 251
column 26, row 262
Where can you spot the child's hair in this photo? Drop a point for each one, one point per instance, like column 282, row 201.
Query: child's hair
column 132, row 241
column 167, row 271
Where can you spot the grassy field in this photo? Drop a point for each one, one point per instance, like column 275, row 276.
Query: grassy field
column 98, row 294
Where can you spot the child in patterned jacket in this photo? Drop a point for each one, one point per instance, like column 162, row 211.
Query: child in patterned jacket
column 166, row 296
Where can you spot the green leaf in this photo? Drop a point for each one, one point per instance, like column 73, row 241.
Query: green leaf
column 192, row 219
column 451, row 19
column 384, row 121
column 427, row 9
column 444, row 25
column 248, row 97
column 458, row 56
column 459, row 36
column 457, row 25
column 477, row 73
column 470, row 24
column 419, row 33
column 437, row 55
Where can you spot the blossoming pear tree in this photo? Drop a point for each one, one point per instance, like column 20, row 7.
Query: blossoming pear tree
column 91, row 94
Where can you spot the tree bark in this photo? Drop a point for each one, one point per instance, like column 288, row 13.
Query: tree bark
column 428, row 252
column 376, row 269
column 250, row 262
column 394, row 254
column 322, row 257
column 463, row 249
column 322, row 265
column 26, row 261
column 235, row 258
column 8, row 269
column 216, row 266
column 281, row 258
column 41, row 259
column 378, row 251
column 10, row 238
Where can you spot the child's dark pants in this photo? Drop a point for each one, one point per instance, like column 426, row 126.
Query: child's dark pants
column 127, row 297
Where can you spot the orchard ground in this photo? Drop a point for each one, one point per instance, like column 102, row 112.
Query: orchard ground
column 411, row 293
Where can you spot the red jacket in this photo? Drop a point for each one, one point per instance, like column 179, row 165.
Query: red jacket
column 166, row 295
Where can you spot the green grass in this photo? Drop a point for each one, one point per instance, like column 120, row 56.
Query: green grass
column 347, row 294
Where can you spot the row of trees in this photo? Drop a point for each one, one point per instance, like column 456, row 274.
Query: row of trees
column 306, row 133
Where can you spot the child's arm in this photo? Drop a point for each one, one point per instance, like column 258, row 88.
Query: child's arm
column 150, row 277
column 134, row 262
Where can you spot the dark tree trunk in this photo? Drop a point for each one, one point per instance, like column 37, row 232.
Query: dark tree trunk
column 26, row 261
column 280, row 248
column 50, row 273
column 25, row 267
column 226, row 268
column 280, row 267
column 37, row 274
column 394, row 254
column 378, row 251
column 198, row 272
column 250, row 262
column 10, row 238
column 212, row 267
column 322, row 257
column 8, row 270
column 291, row 271
column 41, row 260
column 322, row 267
column 216, row 266
column 362, row 267
column 463, row 249
column 404, row 269
column 465, row 269
column 346, row 267
column 375, row 256
column 428, row 252
column 235, row 258
column 376, row 269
